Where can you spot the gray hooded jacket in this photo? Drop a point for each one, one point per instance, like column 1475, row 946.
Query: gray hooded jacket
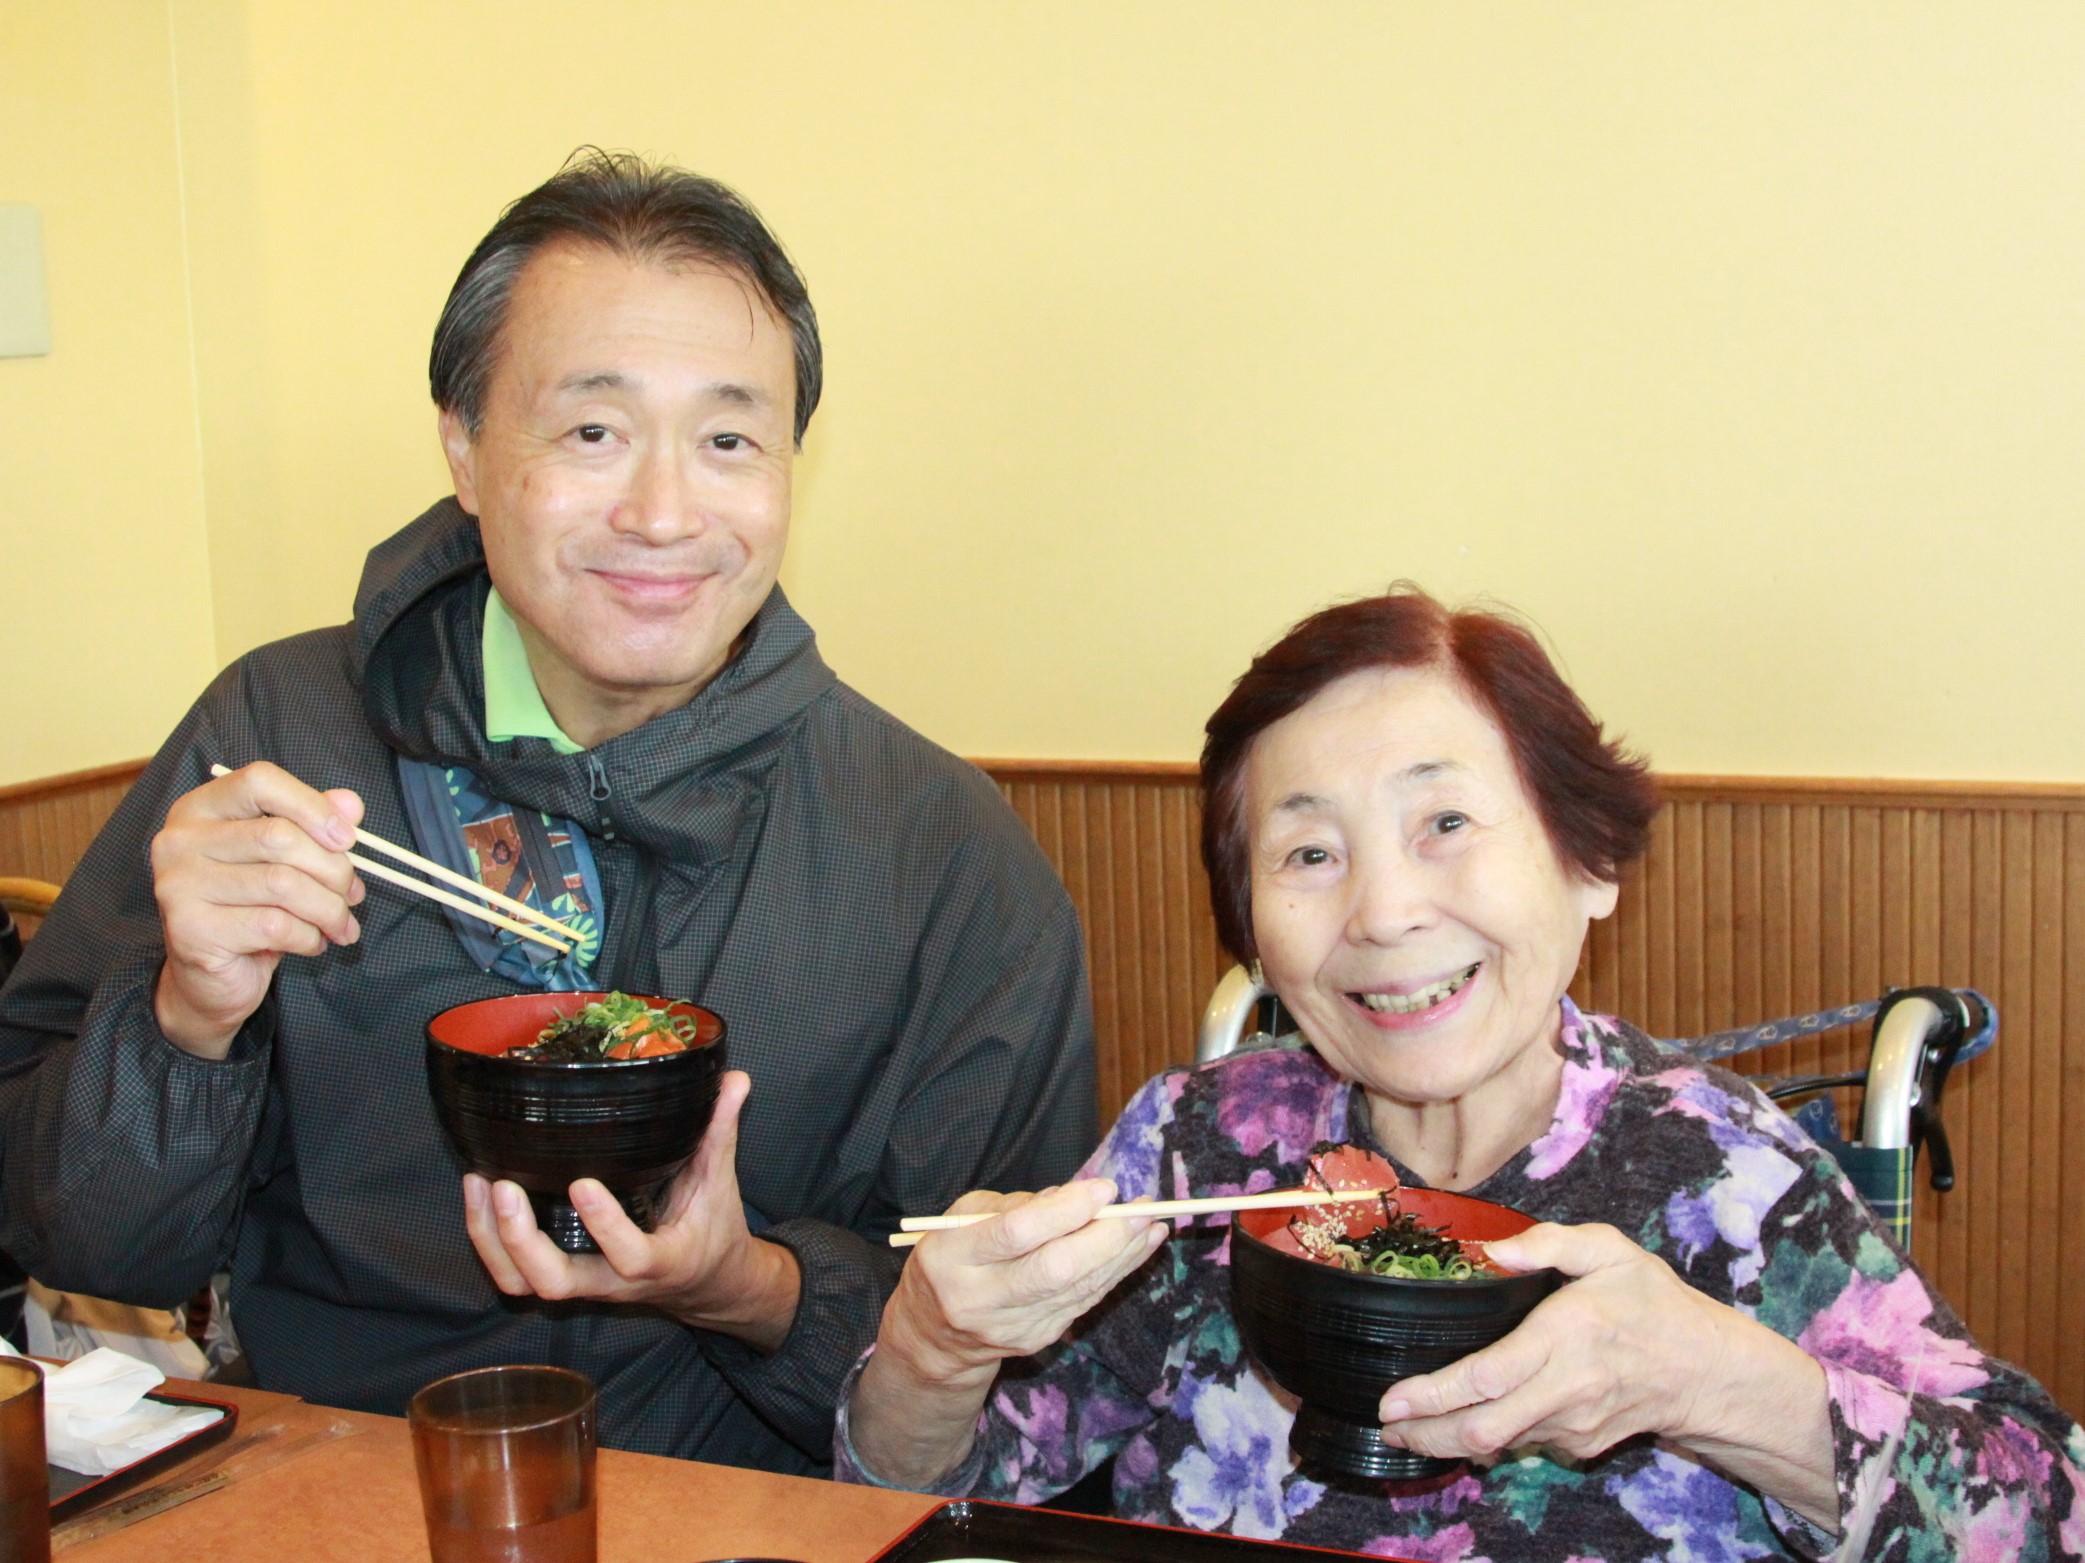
column 899, row 967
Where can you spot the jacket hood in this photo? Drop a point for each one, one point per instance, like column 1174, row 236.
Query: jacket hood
column 419, row 619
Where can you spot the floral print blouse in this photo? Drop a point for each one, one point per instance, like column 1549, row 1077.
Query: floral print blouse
column 1941, row 1451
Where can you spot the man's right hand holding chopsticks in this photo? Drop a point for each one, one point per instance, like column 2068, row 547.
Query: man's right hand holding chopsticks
column 248, row 868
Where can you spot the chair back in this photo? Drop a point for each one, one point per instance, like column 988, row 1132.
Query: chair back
column 24, row 897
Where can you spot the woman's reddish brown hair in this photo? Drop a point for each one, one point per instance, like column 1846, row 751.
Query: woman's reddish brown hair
column 1595, row 800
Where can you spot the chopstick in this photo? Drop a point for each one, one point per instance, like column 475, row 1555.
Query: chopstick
column 469, row 908
column 567, row 936
column 913, row 1228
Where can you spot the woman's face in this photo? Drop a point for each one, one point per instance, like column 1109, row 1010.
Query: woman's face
column 1408, row 905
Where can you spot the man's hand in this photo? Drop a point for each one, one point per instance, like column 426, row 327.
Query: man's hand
column 702, row 1266
column 1627, row 1347
column 247, row 869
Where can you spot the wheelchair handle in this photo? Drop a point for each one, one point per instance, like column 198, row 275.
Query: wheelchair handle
column 1918, row 1031
column 1224, row 1019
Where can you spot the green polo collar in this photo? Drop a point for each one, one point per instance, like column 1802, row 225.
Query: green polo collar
column 514, row 706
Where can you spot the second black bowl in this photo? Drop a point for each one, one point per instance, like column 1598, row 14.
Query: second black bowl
column 632, row 1123
column 1336, row 1338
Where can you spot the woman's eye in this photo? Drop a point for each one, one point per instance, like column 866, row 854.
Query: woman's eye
column 731, row 442
column 1310, row 857
column 591, row 433
column 1449, row 821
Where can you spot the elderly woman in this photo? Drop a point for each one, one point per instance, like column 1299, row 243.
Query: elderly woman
column 1410, row 821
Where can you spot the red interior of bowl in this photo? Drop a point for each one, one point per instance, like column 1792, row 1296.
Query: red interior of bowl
column 1463, row 1218
column 494, row 1026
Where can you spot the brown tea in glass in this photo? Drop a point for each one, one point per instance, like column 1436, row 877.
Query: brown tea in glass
column 25, row 1483
column 506, row 1463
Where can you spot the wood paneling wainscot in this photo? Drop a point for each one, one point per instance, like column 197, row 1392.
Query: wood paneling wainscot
column 1760, row 897
column 46, row 825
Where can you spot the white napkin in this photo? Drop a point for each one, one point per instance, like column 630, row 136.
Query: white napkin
column 96, row 1419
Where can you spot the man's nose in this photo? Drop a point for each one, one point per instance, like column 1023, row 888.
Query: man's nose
column 663, row 501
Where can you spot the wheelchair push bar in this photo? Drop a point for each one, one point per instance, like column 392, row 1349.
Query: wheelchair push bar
column 1918, row 1034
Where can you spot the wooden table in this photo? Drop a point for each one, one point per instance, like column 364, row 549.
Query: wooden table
column 356, row 1500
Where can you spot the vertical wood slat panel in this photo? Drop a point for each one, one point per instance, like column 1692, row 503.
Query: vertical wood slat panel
column 1807, row 986
column 1748, row 951
column 2016, row 972
column 2069, row 1369
column 1689, row 913
column 1943, row 1245
column 2045, row 1086
column 1758, row 898
column 1984, row 1115
column 1120, row 852
column 1718, row 924
column 1773, row 921
column 1656, row 885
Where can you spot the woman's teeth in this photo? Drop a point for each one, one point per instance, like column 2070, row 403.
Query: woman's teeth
column 1424, row 998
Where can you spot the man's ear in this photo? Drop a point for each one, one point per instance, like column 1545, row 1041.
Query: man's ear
column 462, row 452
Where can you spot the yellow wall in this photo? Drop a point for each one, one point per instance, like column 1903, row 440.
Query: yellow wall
column 1742, row 347
column 105, row 611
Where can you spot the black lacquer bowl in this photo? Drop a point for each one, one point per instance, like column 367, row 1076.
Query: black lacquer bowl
column 631, row 1122
column 1336, row 1339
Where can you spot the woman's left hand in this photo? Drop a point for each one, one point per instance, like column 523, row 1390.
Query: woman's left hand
column 1627, row 1347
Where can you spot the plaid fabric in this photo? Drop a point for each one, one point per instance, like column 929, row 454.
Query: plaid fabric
column 1882, row 1177
column 898, row 965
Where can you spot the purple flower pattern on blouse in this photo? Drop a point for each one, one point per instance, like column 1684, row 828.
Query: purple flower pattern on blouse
column 1941, row 1451
column 1232, row 1476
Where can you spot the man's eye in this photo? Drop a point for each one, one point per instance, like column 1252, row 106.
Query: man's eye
column 730, row 442
column 591, row 433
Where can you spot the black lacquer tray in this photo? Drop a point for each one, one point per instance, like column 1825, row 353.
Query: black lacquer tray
column 71, row 1491
column 969, row 1528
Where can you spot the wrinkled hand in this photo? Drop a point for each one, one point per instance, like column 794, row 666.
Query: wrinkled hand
column 1009, row 1287
column 248, row 868
column 1621, row 1349
column 703, row 1265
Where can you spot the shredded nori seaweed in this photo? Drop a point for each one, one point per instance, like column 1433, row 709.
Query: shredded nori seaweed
column 1404, row 1236
column 569, row 1040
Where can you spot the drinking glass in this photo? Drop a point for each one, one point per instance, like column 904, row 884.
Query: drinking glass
column 506, row 1463
column 25, row 1481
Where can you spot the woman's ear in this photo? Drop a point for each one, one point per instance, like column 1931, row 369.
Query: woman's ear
column 1598, row 897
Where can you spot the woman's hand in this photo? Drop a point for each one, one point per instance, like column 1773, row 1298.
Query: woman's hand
column 1007, row 1288
column 973, row 1296
column 1627, row 1347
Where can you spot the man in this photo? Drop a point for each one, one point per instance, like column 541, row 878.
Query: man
column 213, row 1050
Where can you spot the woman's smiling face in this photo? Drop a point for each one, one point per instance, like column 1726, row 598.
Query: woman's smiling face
column 1407, row 902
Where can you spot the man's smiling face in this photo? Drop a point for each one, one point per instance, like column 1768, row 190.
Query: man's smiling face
column 631, row 476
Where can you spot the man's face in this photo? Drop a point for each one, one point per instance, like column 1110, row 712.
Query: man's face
column 631, row 477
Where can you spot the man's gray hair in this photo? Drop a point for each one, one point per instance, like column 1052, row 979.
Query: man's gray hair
column 649, row 213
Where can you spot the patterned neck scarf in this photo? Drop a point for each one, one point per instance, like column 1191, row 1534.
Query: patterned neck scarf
column 531, row 856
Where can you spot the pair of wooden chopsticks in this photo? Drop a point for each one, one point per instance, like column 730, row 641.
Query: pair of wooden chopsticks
column 527, row 922
column 913, row 1228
